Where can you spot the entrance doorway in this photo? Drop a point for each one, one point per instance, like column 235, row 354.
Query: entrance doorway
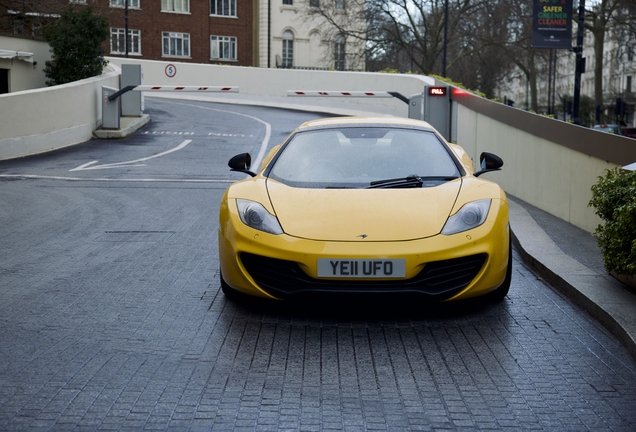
column 4, row 81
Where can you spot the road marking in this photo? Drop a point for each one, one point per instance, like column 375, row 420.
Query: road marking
column 268, row 130
column 88, row 166
column 166, row 133
column 257, row 162
column 148, row 180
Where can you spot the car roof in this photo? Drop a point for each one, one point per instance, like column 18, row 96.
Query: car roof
column 366, row 121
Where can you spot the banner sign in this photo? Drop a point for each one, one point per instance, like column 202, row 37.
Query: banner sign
column 552, row 24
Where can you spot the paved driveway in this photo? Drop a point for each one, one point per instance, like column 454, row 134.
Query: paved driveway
column 111, row 315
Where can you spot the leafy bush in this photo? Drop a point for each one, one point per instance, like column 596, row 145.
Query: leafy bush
column 614, row 200
column 75, row 40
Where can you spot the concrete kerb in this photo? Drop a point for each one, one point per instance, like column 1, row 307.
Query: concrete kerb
column 599, row 295
column 128, row 125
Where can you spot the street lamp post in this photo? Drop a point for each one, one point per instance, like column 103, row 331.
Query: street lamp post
column 126, row 26
column 445, row 38
column 578, row 68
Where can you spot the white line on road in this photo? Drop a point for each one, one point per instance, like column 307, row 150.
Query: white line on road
column 88, row 166
column 268, row 130
column 134, row 163
column 149, row 180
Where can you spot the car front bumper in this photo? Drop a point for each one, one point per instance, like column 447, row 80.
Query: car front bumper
column 459, row 266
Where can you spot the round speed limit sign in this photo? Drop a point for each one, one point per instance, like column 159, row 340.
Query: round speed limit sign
column 171, row 70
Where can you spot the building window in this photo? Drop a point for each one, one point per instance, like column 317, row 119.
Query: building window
column 176, row 44
column 182, row 6
column 288, row 2
column 122, row 3
column 340, row 4
column 339, row 53
column 223, row 7
column 628, row 86
column 288, row 49
column 314, row 3
column 223, row 48
column 118, row 41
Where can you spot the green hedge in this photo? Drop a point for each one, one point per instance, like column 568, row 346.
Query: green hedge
column 614, row 201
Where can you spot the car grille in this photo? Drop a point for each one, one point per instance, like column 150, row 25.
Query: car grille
column 438, row 279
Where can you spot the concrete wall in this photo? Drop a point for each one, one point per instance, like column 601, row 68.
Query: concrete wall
column 36, row 121
column 24, row 75
column 265, row 82
column 548, row 163
column 551, row 177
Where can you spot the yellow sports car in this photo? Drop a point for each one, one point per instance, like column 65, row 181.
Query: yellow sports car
column 365, row 205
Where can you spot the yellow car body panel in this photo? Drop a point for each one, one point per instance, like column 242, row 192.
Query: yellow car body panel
column 380, row 214
column 385, row 224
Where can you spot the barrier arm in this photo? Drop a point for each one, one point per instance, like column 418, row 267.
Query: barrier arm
column 378, row 94
column 153, row 88
column 111, row 111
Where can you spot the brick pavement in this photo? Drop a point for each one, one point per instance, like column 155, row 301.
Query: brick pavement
column 111, row 319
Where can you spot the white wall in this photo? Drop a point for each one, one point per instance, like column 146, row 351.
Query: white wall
column 263, row 82
column 24, row 75
column 36, row 121
column 549, row 176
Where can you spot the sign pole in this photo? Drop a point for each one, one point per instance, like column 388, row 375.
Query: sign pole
column 578, row 68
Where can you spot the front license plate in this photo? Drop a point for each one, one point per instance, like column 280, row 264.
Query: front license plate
column 362, row 268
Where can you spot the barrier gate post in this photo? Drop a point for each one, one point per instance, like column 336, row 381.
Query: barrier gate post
column 416, row 106
column 132, row 103
column 437, row 109
column 110, row 109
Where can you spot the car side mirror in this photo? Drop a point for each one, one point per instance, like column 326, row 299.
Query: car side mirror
column 241, row 163
column 489, row 162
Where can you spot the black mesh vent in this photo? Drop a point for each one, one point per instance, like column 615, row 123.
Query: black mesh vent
column 438, row 279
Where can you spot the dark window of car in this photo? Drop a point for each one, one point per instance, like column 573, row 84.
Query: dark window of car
column 357, row 156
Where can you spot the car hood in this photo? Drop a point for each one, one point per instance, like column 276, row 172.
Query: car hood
column 363, row 214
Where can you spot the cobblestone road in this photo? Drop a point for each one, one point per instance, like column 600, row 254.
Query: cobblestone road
column 111, row 318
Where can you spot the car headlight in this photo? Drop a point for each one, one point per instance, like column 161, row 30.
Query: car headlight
column 255, row 216
column 470, row 216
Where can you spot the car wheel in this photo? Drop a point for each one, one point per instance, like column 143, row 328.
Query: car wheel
column 501, row 292
column 227, row 290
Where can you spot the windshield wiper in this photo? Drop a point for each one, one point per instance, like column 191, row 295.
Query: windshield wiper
column 412, row 181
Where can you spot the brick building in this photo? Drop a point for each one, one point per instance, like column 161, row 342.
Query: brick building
column 198, row 31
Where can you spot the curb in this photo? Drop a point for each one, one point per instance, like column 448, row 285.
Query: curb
column 600, row 295
column 128, row 125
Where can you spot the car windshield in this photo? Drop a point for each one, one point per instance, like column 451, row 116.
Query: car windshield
column 360, row 157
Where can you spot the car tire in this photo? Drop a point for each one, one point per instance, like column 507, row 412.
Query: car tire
column 227, row 290
column 500, row 293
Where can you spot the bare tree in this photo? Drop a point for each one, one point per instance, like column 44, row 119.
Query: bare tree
column 599, row 21
column 410, row 32
column 475, row 51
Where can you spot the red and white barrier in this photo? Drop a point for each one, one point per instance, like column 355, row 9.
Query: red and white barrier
column 314, row 93
column 226, row 89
